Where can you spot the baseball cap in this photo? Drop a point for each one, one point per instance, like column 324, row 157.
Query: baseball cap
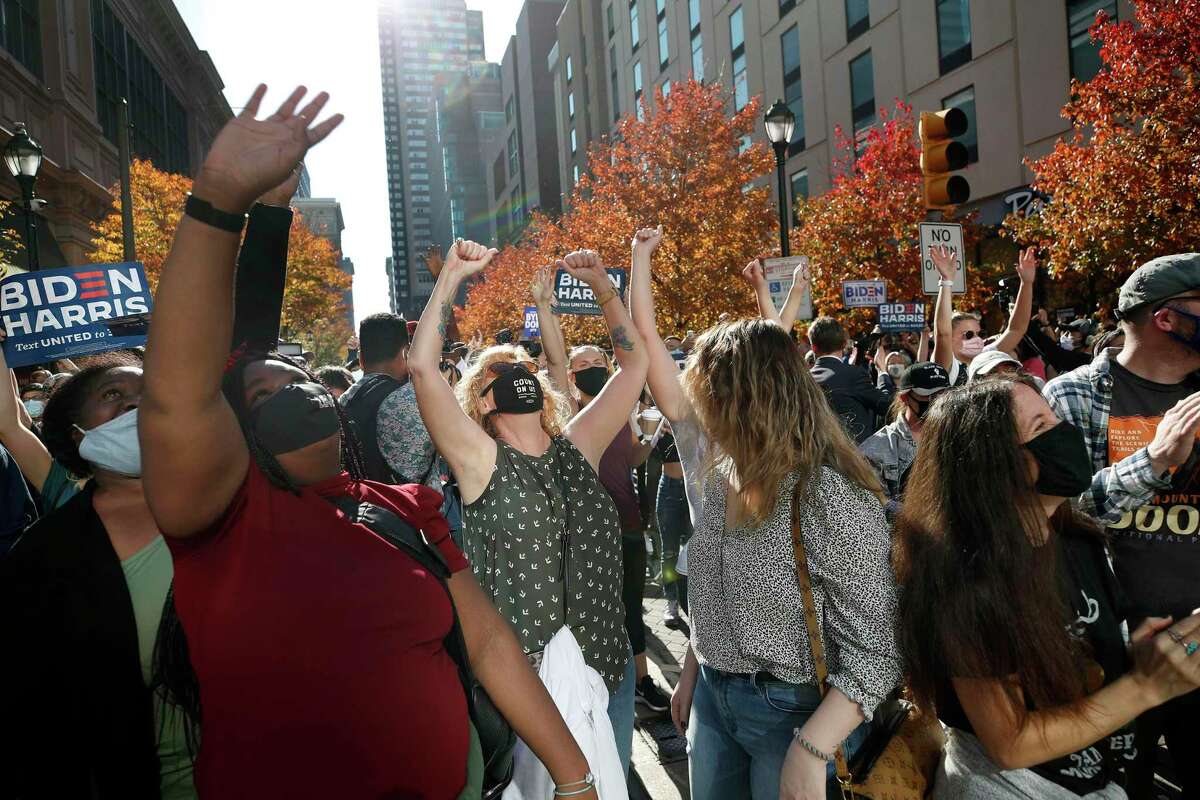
column 1081, row 324
column 1158, row 279
column 987, row 361
column 924, row 379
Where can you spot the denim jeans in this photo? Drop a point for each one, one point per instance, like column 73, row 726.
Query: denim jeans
column 740, row 731
column 621, row 714
column 675, row 528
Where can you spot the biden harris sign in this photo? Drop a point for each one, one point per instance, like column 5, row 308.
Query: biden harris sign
column 62, row 313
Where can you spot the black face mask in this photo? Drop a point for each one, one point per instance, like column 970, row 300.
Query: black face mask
column 296, row 416
column 515, row 391
column 591, row 380
column 1064, row 466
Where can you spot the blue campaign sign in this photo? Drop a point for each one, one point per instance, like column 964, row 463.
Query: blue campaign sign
column 62, row 313
column 532, row 328
column 863, row 294
column 899, row 317
column 575, row 297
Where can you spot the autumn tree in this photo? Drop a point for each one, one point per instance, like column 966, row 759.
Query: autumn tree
column 1124, row 186
column 682, row 166
column 313, row 310
column 866, row 227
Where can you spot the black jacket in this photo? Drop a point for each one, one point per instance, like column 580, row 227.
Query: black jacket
column 76, row 718
column 860, row 405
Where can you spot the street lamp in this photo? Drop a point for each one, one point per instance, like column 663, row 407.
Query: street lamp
column 780, row 122
column 23, row 157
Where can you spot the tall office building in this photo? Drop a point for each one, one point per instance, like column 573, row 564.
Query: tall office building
column 323, row 216
column 418, row 39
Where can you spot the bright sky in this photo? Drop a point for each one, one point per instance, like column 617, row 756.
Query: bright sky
column 332, row 47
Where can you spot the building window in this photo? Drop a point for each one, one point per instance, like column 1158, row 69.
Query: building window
column 574, row 142
column 664, row 39
column 637, row 89
column 635, row 33
column 793, row 93
column 512, row 155
column 737, row 46
column 966, row 101
column 21, row 33
column 570, row 70
column 510, row 110
column 1085, row 54
column 123, row 70
column 858, row 18
column 574, row 174
column 612, row 28
column 785, row 6
column 666, row 89
column 697, row 40
column 616, row 94
column 799, row 190
column 862, row 96
column 954, row 33
column 571, row 105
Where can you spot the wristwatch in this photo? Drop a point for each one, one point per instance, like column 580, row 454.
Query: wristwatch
column 203, row 211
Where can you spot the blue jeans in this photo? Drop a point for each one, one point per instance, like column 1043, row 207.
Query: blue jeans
column 620, row 714
column 740, row 731
column 675, row 528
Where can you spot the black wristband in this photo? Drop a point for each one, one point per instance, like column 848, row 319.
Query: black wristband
column 203, row 211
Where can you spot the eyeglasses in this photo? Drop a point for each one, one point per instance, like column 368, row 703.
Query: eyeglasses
column 969, row 334
column 499, row 368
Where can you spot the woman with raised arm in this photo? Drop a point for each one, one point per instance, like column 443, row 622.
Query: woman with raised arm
column 554, row 346
column 541, row 532
column 1011, row 618
column 758, row 725
column 320, row 647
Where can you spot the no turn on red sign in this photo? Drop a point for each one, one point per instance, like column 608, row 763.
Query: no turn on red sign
column 948, row 234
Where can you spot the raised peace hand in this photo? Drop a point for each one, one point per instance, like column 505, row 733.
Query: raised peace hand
column 542, row 287
column 1027, row 265
column 251, row 156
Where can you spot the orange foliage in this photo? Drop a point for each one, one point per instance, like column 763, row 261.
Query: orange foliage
column 680, row 168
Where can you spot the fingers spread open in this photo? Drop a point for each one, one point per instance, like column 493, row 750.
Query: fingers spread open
column 288, row 108
column 316, row 134
column 252, row 105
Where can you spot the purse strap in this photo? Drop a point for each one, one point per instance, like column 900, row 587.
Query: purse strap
column 814, row 631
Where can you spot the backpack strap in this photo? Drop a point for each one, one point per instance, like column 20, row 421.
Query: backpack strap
column 362, row 402
column 396, row 531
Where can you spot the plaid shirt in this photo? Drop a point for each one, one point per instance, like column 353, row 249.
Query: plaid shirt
column 1083, row 397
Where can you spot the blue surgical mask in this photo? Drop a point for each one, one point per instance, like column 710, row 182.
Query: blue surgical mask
column 114, row 445
column 35, row 408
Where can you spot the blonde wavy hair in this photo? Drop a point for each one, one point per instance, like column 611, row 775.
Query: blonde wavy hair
column 555, row 410
column 761, row 409
column 580, row 349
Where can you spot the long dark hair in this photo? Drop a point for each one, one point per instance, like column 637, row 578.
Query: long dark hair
column 981, row 599
column 234, row 387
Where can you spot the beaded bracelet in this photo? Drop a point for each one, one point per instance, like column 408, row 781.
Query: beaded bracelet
column 586, row 785
column 826, row 757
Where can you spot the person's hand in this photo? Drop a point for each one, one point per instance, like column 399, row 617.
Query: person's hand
column 1043, row 317
column 803, row 776
column 945, row 261
column 1027, row 265
column 542, row 288
column 681, row 701
column 801, row 273
column 753, row 275
column 586, row 266
column 250, row 156
column 475, row 343
column 468, row 258
column 282, row 194
column 1161, row 664
column 1176, row 434
column 646, row 241
column 352, row 342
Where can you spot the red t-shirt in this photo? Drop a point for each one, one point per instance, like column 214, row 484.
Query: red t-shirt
column 319, row 648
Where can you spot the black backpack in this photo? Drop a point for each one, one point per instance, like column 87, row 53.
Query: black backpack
column 361, row 402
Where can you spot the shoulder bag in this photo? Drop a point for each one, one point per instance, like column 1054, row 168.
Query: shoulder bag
column 900, row 755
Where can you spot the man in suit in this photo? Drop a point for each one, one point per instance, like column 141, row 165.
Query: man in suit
column 860, row 405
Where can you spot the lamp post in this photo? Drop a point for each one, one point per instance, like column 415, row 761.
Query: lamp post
column 23, row 157
column 780, row 122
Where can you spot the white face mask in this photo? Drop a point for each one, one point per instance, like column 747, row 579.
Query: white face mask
column 895, row 370
column 1066, row 342
column 114, row 445
column 35, row 408
column 972, row 347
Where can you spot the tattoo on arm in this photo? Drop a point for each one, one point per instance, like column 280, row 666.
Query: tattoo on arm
column 444, row 320
column 621, row 339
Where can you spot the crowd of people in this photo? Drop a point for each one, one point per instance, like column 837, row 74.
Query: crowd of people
column 227, row 572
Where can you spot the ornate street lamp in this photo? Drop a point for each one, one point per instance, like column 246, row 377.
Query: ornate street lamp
column 780, row 122
column 23, row 157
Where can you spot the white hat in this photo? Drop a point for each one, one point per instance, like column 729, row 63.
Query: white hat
column 987, row 361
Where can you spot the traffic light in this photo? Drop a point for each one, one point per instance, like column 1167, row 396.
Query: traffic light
column 941, row 155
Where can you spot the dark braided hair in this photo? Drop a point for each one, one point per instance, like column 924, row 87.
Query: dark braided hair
column 234, row 387
column 173, row 675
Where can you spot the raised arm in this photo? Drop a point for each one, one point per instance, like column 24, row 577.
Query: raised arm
column 801, row 286
column 554, row 346
column 752, row 274
column 945, row 261
column 467, row 448
column 593, row 429
column 663, row 373
column 182, row 405
column 1018, row 323
column 27, row 449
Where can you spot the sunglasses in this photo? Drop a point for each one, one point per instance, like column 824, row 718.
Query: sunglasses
column 499, row 368
column 970, row 335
